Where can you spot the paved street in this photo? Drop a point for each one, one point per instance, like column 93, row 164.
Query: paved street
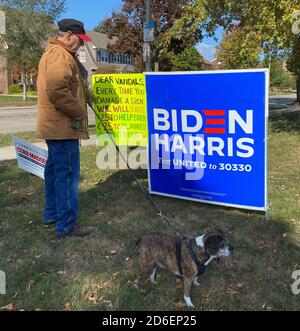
column 282, row 100
column 23, row 119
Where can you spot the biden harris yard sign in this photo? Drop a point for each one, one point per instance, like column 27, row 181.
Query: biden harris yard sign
column 208, row 136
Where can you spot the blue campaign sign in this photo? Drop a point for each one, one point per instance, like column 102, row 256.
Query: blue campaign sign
column 208, row 136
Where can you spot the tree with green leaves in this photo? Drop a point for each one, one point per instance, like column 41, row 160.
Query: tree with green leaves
column 239, row 50
column 272, row 22
column 188, row 60
column 178, row 26
column 29, row 24
column 278, row 76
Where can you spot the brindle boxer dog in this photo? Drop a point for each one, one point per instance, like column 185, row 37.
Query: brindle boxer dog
column 186, row 258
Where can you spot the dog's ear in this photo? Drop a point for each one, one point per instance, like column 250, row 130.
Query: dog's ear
column 212, row 243
column 220, row 231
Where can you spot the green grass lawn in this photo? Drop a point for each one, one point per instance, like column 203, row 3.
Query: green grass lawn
column 6, row 139
column 282, row 93
column 44, row 273
column 11, row 101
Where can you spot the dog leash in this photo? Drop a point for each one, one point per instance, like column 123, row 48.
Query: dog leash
column 142, row 187
column 185, row 239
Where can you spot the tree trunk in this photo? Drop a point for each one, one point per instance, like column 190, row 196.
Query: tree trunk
column 298, row 87
column 298, row 93
column 24, row 85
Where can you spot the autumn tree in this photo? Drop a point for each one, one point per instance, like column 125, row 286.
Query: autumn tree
column 271, row 21
column 178, row 26
column 28, row 25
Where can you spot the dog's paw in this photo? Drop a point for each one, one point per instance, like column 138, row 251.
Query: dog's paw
column 188, row 302
column 196, row 281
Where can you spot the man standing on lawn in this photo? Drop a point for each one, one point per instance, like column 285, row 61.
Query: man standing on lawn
column 62, row 120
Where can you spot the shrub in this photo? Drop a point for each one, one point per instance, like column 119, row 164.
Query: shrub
column 15, row 89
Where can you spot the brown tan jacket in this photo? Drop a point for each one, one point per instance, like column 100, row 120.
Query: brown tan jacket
column 61, row 95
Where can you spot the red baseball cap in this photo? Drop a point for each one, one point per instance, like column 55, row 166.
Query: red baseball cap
column 74, row 26
column 84, row 37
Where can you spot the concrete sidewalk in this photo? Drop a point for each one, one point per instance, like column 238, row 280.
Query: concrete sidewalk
column 9, row 153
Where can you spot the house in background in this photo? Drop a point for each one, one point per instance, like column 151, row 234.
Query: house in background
column 5, row 76
column 94, row 55
column 214, row 64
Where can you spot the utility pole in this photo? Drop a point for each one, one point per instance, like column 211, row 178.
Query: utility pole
column 148, row 36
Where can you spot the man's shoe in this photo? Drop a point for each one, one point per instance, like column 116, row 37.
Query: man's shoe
column 77, row 231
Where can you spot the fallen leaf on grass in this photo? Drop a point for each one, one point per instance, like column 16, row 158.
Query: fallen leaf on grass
column 67, row 306
column 109, row 303
column 9, row 307
column 267, row 307
column 29, row 286
column 180, row 305
column 234, row 288
column 114, row 275
column 231, row 290
column 93, row 298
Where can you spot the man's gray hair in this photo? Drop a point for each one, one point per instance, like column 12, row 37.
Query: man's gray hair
column 60, row 34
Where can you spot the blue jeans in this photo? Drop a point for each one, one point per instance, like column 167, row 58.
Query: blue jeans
column 62, row 173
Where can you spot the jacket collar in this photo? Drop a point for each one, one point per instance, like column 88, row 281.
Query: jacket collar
column 55, row 41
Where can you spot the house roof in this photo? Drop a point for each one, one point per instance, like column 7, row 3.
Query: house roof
column 100, row 40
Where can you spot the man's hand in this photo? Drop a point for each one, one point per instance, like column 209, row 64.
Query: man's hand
column 75, row 125
column 90, row 98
